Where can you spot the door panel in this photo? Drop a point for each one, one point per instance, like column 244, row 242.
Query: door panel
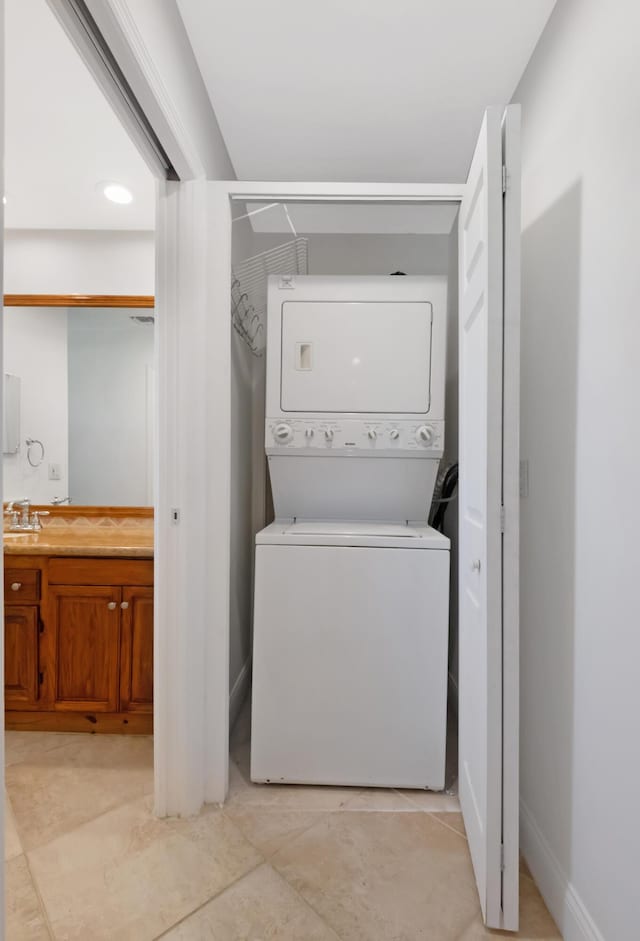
column 86, row 623
column 511, row 536
column 21, row 681
column 136, row 666
column 483, row 793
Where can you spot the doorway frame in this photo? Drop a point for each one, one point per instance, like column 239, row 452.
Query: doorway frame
column 221, row 196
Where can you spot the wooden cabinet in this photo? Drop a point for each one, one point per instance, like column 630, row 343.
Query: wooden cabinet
column 83, row 656
column 85, row 622
column 22, row 586
column 21, row 674
column 136, row 657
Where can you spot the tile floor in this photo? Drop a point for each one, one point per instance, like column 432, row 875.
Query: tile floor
column 86, row 859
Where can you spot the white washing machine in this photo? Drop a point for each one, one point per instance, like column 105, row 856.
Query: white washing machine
column 352, row 586
column 350, row 654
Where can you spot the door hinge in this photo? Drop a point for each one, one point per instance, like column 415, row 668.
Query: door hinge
column 503, row 517
column 504, row 179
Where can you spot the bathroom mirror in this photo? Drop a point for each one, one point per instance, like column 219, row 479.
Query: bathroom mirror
column 83, row 420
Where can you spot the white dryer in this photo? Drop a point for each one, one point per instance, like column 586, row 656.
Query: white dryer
column 351, row 589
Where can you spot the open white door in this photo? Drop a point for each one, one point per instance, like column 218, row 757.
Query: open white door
column 489, row 272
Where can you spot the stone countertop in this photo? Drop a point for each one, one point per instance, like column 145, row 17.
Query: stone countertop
column 116, row 542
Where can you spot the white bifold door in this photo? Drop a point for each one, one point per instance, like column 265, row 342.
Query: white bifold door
column 489, row 311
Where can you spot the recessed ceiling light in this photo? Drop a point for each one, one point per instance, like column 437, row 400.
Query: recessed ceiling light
column 116, row 192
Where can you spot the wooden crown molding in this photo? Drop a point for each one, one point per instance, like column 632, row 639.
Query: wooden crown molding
column 79, row 300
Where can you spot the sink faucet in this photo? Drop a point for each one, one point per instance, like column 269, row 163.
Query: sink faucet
column 22, row 520
column 25, row 507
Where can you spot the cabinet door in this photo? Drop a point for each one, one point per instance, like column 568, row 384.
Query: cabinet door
column 86, row 627
column 136, row 664
column 21, row 679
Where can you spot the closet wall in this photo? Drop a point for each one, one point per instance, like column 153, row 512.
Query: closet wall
column 244, row 410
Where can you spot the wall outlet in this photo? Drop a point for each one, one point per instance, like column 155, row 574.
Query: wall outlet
column 55, row 472
column 524, row 478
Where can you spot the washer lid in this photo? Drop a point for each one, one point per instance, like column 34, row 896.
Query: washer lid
column 347, row 533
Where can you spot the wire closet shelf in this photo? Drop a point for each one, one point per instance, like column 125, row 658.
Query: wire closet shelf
column 249, row 288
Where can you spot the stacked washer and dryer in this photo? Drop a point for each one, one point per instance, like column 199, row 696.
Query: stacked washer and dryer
column 351, row 584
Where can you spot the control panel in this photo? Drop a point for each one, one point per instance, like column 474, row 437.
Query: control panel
column 353, row 436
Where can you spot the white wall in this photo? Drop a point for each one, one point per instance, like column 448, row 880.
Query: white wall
column 66, row 261
column 110, row 363
column 345, row 254
column 580, row 392
column 35, row 349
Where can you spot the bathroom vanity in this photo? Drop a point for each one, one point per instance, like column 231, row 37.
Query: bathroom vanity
column 79, row 626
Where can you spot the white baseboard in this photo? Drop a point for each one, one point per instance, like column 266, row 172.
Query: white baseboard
column 564, row 903
column 239, row 692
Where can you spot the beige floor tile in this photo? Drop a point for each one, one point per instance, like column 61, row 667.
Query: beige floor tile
column 20, row 746
column 260, row 907
column 24, row 919
column 67, row 786
column 130, row 876
column 434, row 802
column 285, row 796
column 268, row 828
column 12, row 844
column 536, row 924
column 383, row 877
column 381, row 800
column 455, row 821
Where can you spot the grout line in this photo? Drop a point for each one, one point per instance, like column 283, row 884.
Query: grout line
column 216, row 895
column 436, row 816
column 292, row 839
column 103, row 813
column 41, row 903
column 307, row 903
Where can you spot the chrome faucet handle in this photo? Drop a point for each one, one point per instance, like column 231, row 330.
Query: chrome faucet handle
column 35, row 519
column 8, row 510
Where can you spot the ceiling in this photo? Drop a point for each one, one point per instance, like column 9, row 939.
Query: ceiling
column 61, row 136
column 364, row 90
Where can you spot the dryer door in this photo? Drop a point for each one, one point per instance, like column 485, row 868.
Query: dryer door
column 356, row 357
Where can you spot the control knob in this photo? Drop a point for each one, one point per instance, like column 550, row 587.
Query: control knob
column 283, row 433
column 308, row 432
column 329, row 434
column 424, row 434
column 394, row 434
column 372, row 433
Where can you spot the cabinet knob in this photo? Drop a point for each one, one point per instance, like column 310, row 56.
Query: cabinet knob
column 16, row 586
column 112, row 605
column 124, row 605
